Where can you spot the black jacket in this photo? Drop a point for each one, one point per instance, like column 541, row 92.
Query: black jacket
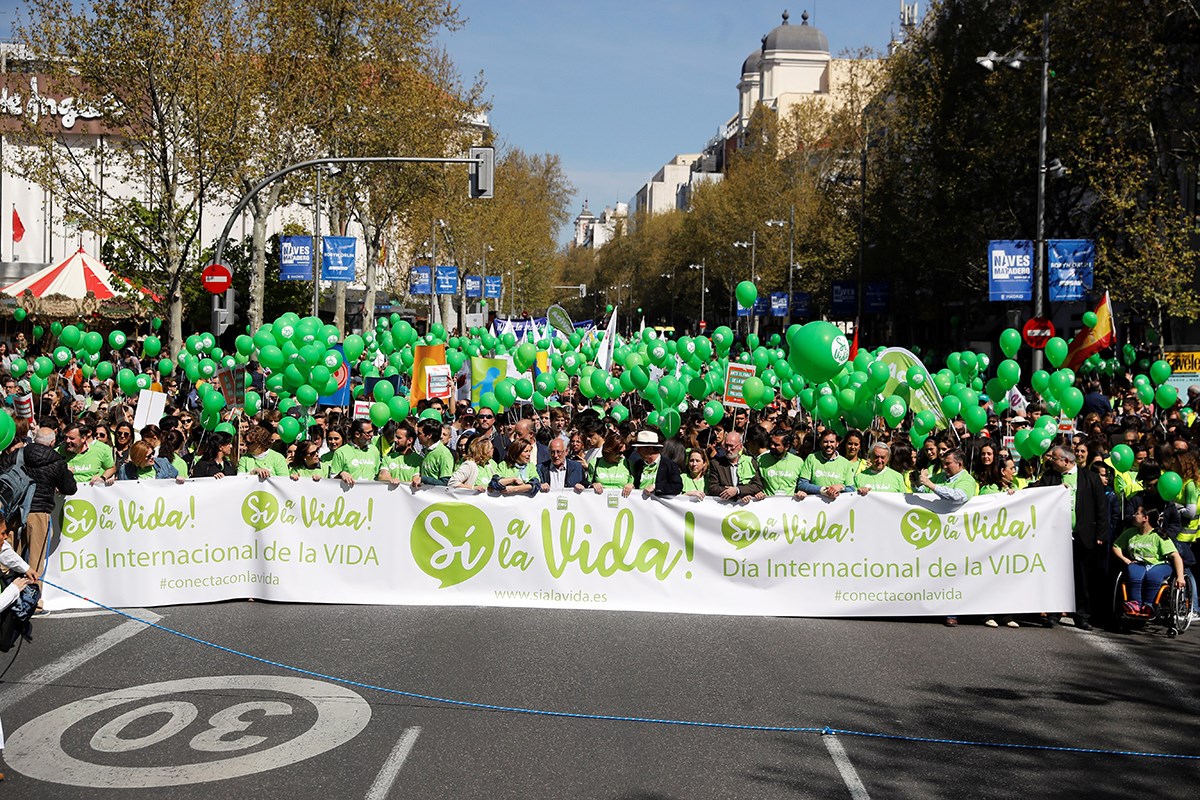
column 667, row 483
column 49, row 472
column 1091, row 506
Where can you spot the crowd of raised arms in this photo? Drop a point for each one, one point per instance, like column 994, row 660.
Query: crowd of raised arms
column 576, row 445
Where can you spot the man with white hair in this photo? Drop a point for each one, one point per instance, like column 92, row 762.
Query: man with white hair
column 879, row 477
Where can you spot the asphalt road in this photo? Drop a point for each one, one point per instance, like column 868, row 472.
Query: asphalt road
column 101, row 707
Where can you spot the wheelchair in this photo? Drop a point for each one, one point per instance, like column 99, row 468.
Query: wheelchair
column 1171, row 608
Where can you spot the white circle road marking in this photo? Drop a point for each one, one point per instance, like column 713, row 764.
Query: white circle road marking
column 35, row 750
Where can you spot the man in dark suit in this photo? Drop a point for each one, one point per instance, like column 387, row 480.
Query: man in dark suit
column 652, row 473
column 1089, row 528
column 558, row 473
column 734, row 476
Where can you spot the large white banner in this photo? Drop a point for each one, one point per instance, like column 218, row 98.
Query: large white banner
column 159, row 543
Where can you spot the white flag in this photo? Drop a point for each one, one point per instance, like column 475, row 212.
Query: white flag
column 604, row 358
column 1017, row 401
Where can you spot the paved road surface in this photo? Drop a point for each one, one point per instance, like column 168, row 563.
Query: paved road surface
column 98, row 701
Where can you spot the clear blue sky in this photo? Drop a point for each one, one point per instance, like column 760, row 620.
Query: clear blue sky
column 618, row 88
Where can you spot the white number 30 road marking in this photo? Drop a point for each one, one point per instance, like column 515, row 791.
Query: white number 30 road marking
column 36, row 751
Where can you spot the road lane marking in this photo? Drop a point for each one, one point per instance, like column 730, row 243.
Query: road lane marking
column 1113, row 648
column 391, row 768
column 845, row 767
column 44, row 676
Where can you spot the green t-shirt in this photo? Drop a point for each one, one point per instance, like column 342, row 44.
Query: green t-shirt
column 401, row 466
column 779, row 473
column 180, row 466
column 1146, row 547
column 886, row 480
column 827, row 473
column 270, row 460
column 310, row 472
column 90, row 463
column 649, row 474
column 691, row 484
column 963, row 480
column 506, row 470
column 486, row 471
column 609, row 476
column 992, row 488
column 438, row 462
column 362, row 465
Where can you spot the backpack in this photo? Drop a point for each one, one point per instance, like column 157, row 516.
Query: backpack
column 15, row 621
column 16, row 492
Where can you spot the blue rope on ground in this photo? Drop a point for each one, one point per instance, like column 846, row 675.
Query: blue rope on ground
column 824, row 731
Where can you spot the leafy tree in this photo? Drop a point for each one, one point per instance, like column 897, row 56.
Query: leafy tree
column 168, row 76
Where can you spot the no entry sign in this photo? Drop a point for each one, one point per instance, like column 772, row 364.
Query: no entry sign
column 1037, row 332
column 216, row 278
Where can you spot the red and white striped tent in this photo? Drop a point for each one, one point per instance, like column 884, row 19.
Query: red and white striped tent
column 74, row 278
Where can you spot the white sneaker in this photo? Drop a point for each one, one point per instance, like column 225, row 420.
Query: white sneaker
column 991, row 623
column 1194, row 617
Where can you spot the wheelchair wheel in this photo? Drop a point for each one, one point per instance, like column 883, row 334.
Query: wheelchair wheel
column 1181, row 607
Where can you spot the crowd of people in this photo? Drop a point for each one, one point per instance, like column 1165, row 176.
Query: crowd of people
column 576, row 445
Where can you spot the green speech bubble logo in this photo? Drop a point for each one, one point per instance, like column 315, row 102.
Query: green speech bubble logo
column 452, row 542
column 260, row 510
column 741, row 529
column 79, row 519
column 920, row 528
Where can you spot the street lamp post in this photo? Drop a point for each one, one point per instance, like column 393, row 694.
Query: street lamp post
column 791, row 223
column 701, row 267
column 753, row 245
column 1015, row 61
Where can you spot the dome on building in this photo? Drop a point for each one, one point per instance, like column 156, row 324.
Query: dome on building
column 802, row 38
column 752, row 63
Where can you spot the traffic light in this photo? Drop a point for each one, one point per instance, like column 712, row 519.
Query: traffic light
column 225, row 315
column 482, row 174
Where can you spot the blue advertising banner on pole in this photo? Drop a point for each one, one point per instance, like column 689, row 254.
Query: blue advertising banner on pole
column 779, row 304
column 295, row 258
column 761, row 306
column 802, row 304
column 473, row 284
column 421, row 281
column 1071, row 263
column 844, row 302
column 876, row 297
column 493, row 287
column 742, row 312
column 446, row 280
column 338, row 255
column 342, row 396
column 1010, row 270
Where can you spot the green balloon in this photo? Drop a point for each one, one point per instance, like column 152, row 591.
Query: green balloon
column 1166, row 396
column 213, row 401
column 70, row 336
column 1170, row 484
column 116, row 340
column 252, row 401
column 380, row 414
column 714, row 412
column 1090, row 319
column 1008, row 373
column 8, row 427
column 1160, row 371
column 19, row 365
column 19, row 315
column 398, row 408
column 1122, row 457
column 306, row 395
column 289, row 428
column 1056, row 351
column 818, row 350
column 383, row 391
column 152, row 346
column 746, row 293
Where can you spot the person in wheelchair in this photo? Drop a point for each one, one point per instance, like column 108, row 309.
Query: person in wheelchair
column 1149, row 559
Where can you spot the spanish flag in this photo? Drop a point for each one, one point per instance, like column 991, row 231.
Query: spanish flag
column 1092, row 340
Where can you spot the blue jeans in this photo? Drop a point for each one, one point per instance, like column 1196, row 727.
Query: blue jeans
column 1144, row 580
